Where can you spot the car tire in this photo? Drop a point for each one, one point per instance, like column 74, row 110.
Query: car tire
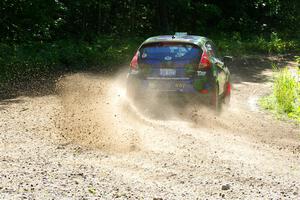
column 215, row 99
column 227, row 94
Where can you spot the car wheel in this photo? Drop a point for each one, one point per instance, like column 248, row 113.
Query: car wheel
column 216, row 101
column 227, row 94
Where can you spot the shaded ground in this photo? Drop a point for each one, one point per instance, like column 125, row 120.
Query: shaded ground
column 88, row 141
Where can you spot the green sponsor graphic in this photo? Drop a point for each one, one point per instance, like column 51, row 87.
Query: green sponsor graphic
column 189, row 70
column 199, row 83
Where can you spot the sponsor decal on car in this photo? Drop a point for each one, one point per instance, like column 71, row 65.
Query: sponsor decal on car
column 168, row 58
column 167, row 72
column 201, row 73
column 179, row 85
column 144, row 55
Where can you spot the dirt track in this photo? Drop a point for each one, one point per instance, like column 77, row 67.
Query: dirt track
column 89, row 142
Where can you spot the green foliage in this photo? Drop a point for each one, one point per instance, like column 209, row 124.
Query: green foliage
column 52, row 20
column 279, row 45
column 41, row 36
column 33, row 59
column 237, row 45
column 285, row 98
column 297, row 58
column 285, row 91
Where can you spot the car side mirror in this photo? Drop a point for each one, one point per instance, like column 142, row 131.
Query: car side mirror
column 227, row 59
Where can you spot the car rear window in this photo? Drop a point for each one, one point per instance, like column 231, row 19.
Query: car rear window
column 170, row 52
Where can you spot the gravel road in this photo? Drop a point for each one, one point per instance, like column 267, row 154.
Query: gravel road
column 88, row 141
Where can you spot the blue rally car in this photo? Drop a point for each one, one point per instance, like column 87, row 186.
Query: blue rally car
column 180, row 64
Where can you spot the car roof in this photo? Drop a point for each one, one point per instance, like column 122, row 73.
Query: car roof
column 191, row 39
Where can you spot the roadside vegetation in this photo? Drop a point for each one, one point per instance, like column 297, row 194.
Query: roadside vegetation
column 38, row 38
column 22, row 62
column 285, row 97
column 237, row 45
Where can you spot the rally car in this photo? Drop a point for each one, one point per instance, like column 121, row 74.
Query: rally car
column 180, row 64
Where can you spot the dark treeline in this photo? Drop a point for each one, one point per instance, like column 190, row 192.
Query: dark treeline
column 48, row 20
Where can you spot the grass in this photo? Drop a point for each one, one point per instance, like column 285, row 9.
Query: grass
column 285, row 97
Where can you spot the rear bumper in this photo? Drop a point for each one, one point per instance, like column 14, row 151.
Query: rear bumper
column 181, row 85
column 169, row 84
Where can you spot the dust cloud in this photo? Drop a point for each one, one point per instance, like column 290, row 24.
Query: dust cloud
column 97, row 113
column 91, row 113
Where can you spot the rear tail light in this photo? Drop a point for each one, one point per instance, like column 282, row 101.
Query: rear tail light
column 204, row 61
column 204, row 91
column 134, row 62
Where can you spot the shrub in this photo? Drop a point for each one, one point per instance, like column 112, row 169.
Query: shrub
column 285, row 98
column 285, row 91
column 23, row 62
column 279, row 45
column 235, row 44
